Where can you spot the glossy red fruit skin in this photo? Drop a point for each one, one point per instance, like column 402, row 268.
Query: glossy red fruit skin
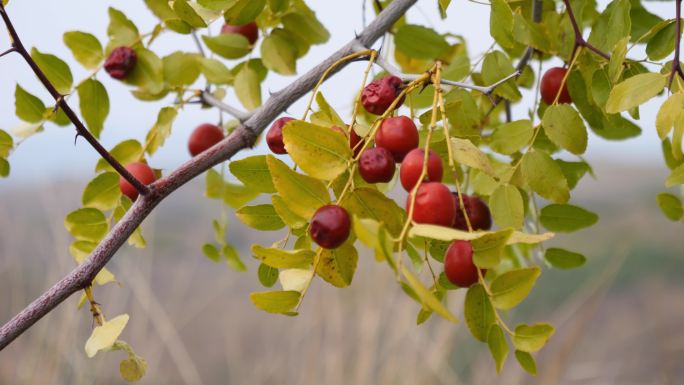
column 551, row 82
column 477, row 210
column 330, row 226
column 376, row 165
column 458, row 264
column 141, row 172
column 249, row 30
column 412, row 166
column 379, row 94
column 203, row 137
column 274, row 137
column 434, row 205
column 120, row 62
column 354, row 140
column 399, row 135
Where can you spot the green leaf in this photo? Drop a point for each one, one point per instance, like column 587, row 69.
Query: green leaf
column 188, row 14
column 302, row 194
column 162, row 9
column 229, row 45
column 661, row 45
column 365, row 202
column 126, row 152
column 306, row 27
column 676, row 177
column 279, row 55
column 283, row 302
column 526, row 362
column 509, row 138
column 612, row 25
column 617, row 59
column 290, row 218
column 211, row 252
column 501, row 23
column 426, row 297
column 488, row 248
column 244, row 11
column 283, row 259
column 180, row 69
column 478, row 312
column 268, row 275
column 6, row 144
column 564, row 259
column 233, row 258
column 121, row 31
column 247, row 87
column 94, row 103
column 465, row 152
column 253, row 172
column 326, row 114
column 215, row 71
column 103, row 192
column 321, row 152
column 420, row 42
column 566, row 218
column 4, row 168
column 497, row 346
column 545, row 177
column 496, row 66
column 669, row 113
column 148, row 73
column 87, row 224
column 564, row 126
column 161, row 129
column 337, row 266
column 104, row 336
column 85, row 47
column 671, row 206
column 260, row 217
column 56, row 70
column 635, row 91
column 506, row 205
column 531, row 338
column 512, row 287
column 27, row 107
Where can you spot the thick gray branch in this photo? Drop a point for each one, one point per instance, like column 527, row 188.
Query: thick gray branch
column 243, row 137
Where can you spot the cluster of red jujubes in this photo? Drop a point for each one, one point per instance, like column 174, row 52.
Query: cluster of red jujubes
column 121, row 62
column 396, row 142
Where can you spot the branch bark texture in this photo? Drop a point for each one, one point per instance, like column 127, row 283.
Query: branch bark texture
column 243, row 137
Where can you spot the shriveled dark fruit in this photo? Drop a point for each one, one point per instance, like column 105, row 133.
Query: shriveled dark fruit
column 379, row 94
column 249, row 30
column 330, row 226
column 120, row 62
column 203, row 137
column 399, row 135
column 434, row 205
column 458, row 264
column 550, row 84
column 142, row 172
column 274, row 137
column 412, row 166
column 477, row 210
column 376, row 165
column 354, row 140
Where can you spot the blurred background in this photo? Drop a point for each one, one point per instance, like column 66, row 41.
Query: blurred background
column 618, row 319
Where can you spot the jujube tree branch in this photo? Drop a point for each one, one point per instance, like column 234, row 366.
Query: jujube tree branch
column 243, row 137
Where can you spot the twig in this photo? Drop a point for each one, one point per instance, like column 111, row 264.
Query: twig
column 676, row 65
column 243, row 137
column 12, row 49
column 81, row 130
column 211, row 100
column 579, row 39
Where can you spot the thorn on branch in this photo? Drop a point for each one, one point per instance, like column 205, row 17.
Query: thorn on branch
column 12, row 49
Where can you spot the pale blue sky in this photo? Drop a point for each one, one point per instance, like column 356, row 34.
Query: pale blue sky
column 51, row 154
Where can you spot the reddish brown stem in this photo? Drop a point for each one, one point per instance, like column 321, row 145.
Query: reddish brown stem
column 676, row 65
column 579, row 39
column 18, row 46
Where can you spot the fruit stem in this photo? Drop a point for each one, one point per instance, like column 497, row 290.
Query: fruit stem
column 81, row 130
column 576, row 54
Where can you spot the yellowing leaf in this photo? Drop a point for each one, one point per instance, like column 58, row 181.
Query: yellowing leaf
column 465, row 152
column 283, row 259
column 533, row 337
column 103, row 337
column 368, row 203
column 507, row 208
column 478, row 312
column 511, row 288
column 564, row 126
column 302, row 194
column 320, row 151
column 497, row 346
column 670, row 111
column 337, row 266
column 545, row 176
column 260, row 217
column 426, row 297
column 103, row 192
column 282, row 302
column 635, row 91
column 488, row 248
column 295, row 279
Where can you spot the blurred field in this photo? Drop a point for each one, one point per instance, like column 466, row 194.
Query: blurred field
column 619, row 319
